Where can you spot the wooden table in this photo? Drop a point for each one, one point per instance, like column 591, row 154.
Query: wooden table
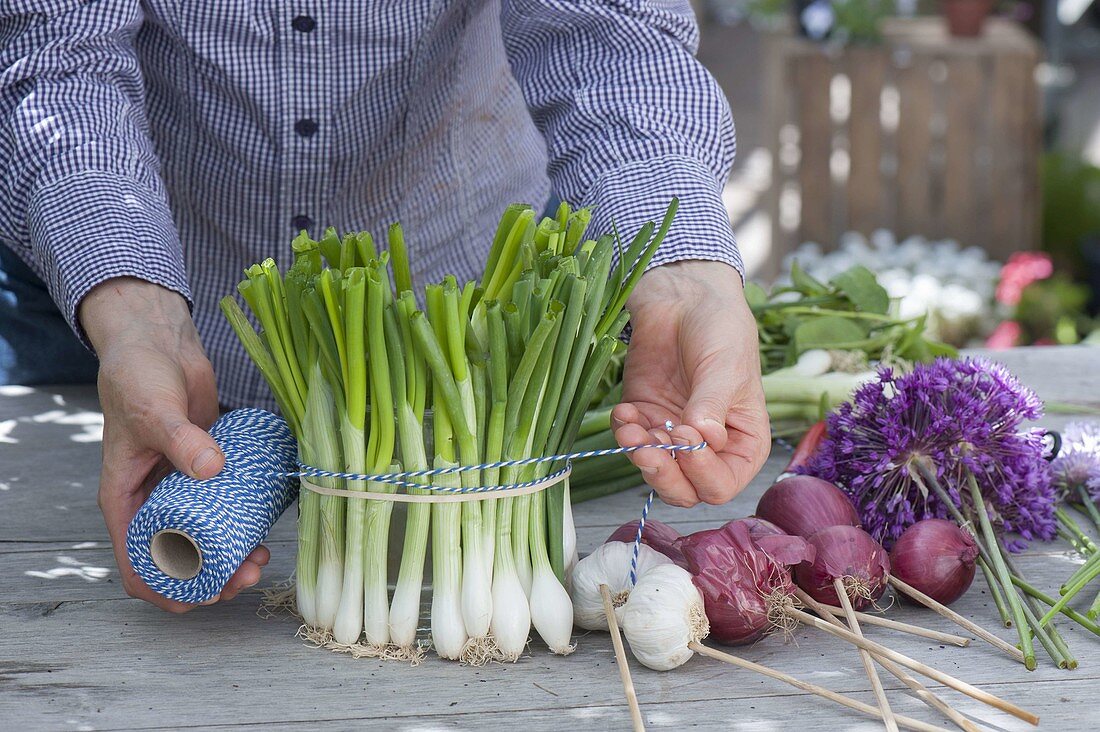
column 76, row 653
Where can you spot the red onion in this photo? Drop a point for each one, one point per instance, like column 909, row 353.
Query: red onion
column 744, row 589
column 936, row 557
column 847, row 553
column 758, row 527
column 782, row 547
column 657, row 535
column 802, row 505
column 807, row 446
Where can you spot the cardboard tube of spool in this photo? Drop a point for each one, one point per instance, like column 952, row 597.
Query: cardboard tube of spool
column 176, row 554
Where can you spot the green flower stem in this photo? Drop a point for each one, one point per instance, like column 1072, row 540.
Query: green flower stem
column 996, row 592
column 1046, row 599
column 1071, row 540
column 1090, row 508
column 1085, row 572
column 1003, row 575
column 1071, row 526
column 1094, row 609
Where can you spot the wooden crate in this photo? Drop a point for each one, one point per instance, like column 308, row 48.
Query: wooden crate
column 924, row 134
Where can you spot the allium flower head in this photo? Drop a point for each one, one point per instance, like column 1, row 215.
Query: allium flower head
column 1078, row 462
column 956, row 417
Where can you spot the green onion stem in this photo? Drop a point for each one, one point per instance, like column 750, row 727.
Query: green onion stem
column 996, row 592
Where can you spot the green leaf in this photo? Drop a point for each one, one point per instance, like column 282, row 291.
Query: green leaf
column 806, row 284
column 826, row 332
column 755, row 294
column 861, row 287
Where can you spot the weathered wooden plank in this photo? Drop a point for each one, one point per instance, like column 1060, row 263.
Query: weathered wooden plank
column 813, row 74
column 914, row 143
column 867, row 204
column 766, row 714
column 965, row 107
column 122, row 664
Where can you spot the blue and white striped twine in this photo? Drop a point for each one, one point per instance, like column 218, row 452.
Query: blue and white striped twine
column 229, row 515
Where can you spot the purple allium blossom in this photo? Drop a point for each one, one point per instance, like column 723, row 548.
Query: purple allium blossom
column 958, row 417
column 1078, row 462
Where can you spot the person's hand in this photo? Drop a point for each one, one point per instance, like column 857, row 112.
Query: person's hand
column 157, row 392
column 693, row 360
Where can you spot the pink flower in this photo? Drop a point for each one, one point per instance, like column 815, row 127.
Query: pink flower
column 1005, row 335
column 1021, row 270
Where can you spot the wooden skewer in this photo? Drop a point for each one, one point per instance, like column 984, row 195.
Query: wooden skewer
column 917, row 687
column 870, row 619
column 620, row 658
column 908, row 722
column 868, row 664
column 922, row 668
column 959, row 620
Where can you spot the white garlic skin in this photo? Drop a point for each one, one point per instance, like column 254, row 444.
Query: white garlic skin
column 608, row 565
column 663, row 614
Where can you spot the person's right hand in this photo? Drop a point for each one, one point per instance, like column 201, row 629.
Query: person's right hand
column 157, row 393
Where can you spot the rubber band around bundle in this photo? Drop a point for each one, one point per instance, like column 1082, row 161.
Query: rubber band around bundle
column 447, row 494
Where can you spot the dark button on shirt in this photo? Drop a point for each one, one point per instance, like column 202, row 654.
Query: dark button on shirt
column 303, row 24
column 301, row 221
column 305, row 127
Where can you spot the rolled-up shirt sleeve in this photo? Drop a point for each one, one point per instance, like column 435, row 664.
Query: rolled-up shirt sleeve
column 81, row 198
column 631, row 118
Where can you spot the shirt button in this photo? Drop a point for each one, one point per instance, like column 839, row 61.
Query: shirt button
column 301, row 221
column 303, row 24
column 305, row 127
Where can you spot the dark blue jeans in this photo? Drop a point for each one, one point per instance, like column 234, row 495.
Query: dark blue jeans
column 36, row 344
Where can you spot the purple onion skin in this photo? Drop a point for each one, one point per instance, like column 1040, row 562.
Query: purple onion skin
column 737, row 579
column 844, row 552
column 758, row 527
column 658, row 536
column 803, row 505
column 936, row 557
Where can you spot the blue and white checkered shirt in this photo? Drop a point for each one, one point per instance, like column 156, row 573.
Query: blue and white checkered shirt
column 179, row 142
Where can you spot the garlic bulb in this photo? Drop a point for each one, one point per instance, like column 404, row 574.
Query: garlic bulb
column 663, row 614
column 608, row 565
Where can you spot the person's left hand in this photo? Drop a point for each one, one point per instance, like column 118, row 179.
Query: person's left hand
column 693, row 360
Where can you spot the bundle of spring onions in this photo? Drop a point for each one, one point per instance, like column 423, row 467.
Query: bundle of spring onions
column 486, row 371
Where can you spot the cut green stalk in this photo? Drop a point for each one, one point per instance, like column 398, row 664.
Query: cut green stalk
column 282, row 327
column 1049, row 638
column 405, row 606
column 380, row 454
column 1089, row 506
column 1003, row 576
column 329, row 245
column 317, row 447
column 567, row 341
column 524, row 397
column 265, row 362
column 996, row 592
column 349, row 615
column 477, row 597
column 511, row 621
column 638, row 269
column 1069, row 612
column 399, row 259
column 1071, row 526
